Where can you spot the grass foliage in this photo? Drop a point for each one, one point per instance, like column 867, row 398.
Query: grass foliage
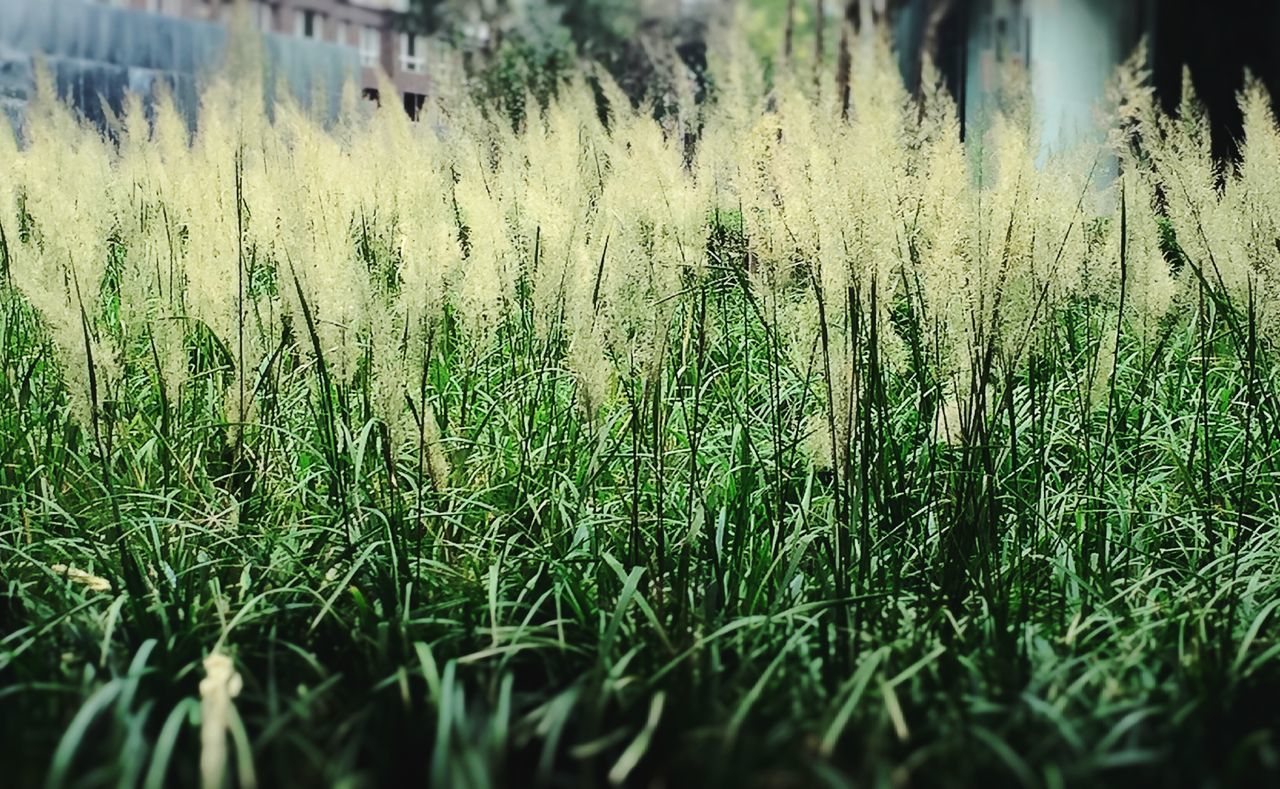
column 763, row 445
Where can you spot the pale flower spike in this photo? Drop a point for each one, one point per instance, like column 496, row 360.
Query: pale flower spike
column 220, row 685
column 93, row 583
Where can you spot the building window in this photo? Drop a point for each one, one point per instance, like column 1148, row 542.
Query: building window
column 308, row 24
column 412, row 53
column 342, row 33
column 370, row 47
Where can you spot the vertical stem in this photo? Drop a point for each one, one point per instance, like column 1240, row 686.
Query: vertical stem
column 788, row 32
column 240, row 372
column 819, row 22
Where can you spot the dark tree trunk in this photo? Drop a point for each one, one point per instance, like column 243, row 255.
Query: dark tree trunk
column 844, row 64
column 789, row 30
column 938, row 10
column 819, row 22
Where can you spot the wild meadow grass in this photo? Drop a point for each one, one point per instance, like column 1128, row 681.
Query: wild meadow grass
column 762, row 445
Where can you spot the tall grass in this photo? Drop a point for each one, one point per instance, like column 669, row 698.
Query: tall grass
column 826, row 451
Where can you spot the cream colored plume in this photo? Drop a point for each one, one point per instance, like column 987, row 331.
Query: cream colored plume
column 220, row 685
column 93, row 583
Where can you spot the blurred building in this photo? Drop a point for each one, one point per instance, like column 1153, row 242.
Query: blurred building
column 366, row 28
column 98, row 51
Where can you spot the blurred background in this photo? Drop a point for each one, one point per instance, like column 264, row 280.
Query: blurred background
column 97, row 50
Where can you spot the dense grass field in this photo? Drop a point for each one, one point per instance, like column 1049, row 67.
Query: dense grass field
column 752, row 446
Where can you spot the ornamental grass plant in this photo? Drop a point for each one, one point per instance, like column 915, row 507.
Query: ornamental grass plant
column 801, row 447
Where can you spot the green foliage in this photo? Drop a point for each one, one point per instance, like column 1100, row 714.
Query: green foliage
column 526, row 68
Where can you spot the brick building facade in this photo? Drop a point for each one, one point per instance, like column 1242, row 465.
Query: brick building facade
column 366, row 27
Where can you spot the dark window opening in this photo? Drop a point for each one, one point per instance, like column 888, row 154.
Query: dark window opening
column 413, row 104
column 310, row 24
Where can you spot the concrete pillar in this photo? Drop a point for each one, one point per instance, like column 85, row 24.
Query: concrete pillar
column 1070, row 49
